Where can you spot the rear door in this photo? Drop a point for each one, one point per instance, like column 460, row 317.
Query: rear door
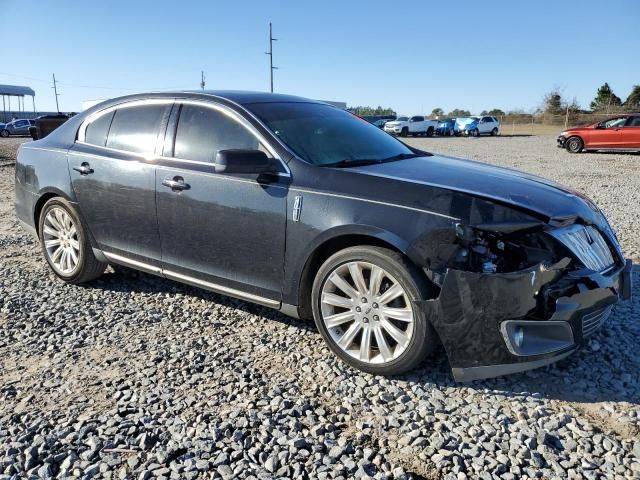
column 631, row 133
column 225, row 232
column 113, row 177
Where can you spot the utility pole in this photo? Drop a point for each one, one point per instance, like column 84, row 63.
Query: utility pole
column 270, row 53
column 202, row 79
column 55, row 90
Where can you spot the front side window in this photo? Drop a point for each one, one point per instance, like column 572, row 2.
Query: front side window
column 96, row 132
column 614, row 122
column 202, row 131
column 417, row 119
column 135, row 129
column 323, row 135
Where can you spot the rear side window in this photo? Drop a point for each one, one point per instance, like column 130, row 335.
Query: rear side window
column 203, row 131
column 135, row 129
column 96, row 132
column 634, row 122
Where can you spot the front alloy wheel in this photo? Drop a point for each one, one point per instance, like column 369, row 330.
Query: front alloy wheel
column 574, row 145
column 365, row 310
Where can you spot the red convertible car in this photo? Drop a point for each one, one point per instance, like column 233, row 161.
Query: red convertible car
column 621, row 132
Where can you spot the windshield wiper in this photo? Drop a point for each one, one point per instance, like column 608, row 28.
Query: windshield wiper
column 370, row 161
column 352, row 163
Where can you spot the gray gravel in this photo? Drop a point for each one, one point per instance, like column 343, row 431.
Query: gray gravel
column 133, row 376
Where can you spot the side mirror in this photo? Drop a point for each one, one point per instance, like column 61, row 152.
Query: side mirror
column 600, row 126
column 242, row 161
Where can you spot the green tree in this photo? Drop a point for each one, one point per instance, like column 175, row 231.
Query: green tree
column 369, row 111
column 552, row 103
column 437, row 112
column 633, row 100
column 495, row 112
column 605, row 100
column 457, row 112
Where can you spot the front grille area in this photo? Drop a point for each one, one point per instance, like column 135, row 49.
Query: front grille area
column 594, row 320
column 587, row 244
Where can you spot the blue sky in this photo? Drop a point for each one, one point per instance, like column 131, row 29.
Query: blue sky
column 410, row 55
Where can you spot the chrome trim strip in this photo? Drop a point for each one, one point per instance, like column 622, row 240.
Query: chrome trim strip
column 134, row 263
column 221, row 289
column 378, row 202
column 194, row 281
column 224, row 177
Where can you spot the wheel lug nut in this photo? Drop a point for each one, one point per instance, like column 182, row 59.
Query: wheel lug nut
column 358, row 309
column 375, row 305
column 376, row 318
column 365, row 320
column 364, row 300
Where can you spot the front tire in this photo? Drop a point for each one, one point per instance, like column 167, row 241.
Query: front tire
column 404, row 132
column 4, row 133
column 65, row 243
column 363, row 305
column 574, row 144
column 494, row 132
column 430, row 132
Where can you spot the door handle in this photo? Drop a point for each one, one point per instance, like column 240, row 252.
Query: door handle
column 176, row 184
column 84, row 169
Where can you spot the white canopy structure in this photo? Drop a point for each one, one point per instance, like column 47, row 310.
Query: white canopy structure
column 8, row 91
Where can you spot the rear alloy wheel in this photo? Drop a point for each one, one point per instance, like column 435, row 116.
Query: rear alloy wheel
column 65, row 243
column 574, row 144
column 364, row 308
column 474, row 133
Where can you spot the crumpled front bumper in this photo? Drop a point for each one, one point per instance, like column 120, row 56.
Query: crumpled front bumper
column 476, row 315
column 561, row 140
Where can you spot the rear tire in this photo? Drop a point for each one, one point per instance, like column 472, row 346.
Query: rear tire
column 474, row 133
column 574, row 144
column 385, row 335
column 4, row 133
column 65, row 243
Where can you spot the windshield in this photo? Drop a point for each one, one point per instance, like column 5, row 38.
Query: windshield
column 324, row 135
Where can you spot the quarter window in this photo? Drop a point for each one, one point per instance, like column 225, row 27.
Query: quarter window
column 202, row 131
column 96, row 132
column 135, row 129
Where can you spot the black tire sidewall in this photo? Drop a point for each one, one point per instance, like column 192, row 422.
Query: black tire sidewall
column 422, row 340
column 82, row 238
column 569, row 142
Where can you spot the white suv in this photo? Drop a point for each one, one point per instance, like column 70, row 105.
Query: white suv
column 416, row 125
column 476, row 126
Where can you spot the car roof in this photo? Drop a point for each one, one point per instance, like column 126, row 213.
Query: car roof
column 247, row 97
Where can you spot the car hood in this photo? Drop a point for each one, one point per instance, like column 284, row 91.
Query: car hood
column 518, row 189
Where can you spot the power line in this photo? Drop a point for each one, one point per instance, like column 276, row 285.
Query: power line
column 270, row 53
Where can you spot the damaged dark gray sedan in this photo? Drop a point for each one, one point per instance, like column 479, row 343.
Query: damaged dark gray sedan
column 302, row 207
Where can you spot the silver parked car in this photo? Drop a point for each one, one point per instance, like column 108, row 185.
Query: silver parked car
column 15, row 127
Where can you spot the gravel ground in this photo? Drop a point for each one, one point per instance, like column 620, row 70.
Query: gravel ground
column 133, row 376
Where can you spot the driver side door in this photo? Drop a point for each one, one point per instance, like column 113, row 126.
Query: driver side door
column 609, row 136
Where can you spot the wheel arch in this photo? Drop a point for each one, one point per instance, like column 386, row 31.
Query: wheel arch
column 333, row 241
column 44, row 196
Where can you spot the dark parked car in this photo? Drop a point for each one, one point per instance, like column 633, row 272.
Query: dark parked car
column 15, row 127
column 302, row 207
